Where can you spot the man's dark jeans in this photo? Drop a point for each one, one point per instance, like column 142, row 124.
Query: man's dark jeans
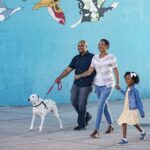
column 79, row 97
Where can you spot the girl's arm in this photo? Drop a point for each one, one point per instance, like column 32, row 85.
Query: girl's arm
column 139, row 104
column 85, row 74
column 122, row 91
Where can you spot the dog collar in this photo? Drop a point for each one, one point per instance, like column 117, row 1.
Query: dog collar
column 41, row 104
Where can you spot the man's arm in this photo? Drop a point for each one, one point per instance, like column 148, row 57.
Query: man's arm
column 63, row 74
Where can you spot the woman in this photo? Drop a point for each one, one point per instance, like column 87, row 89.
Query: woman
column 105, row 65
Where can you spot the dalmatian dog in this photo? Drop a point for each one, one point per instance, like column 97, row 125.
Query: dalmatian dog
column 42, row 108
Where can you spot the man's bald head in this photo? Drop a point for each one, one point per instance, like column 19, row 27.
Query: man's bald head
column 82, row 47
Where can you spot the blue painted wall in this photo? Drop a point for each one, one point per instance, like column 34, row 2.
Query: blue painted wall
column 34, row 49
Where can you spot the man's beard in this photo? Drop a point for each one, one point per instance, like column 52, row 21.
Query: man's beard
column 82, row 52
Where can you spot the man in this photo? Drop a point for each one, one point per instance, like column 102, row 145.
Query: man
column 81, row 88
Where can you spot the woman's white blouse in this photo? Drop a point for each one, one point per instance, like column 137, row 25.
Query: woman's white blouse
column 104, row 70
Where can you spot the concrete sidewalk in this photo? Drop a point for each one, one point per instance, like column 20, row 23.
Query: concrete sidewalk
column 15, row 134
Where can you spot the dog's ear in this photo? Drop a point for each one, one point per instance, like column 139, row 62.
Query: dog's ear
column 38, row 96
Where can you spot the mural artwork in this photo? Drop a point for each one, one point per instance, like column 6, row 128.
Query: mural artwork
column 5, row 12
column 53, row 8
column 93, row 10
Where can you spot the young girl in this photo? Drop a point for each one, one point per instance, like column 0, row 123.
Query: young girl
column 132, row 105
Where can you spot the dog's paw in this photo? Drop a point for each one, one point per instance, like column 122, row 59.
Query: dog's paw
column 61, row 127
column 31, row 129
column 39, row 130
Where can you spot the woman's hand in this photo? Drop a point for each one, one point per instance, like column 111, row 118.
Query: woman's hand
column 84, row 74
column 117, row 86
column 77, row 77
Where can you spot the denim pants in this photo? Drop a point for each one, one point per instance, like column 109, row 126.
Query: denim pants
column 103, row 94
column 79, row 97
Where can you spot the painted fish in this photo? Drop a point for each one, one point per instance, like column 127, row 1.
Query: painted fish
column 53, row 8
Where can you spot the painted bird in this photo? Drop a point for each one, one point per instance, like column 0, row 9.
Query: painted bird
column 53, row 8
column 93, row 10
column 5, row 12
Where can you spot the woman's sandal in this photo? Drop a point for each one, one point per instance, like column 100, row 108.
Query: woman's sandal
column 95, row 134
column 109, row 130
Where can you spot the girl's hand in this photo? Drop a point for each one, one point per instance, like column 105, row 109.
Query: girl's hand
column 77, row 77
column 142, row 116
column 117, row 86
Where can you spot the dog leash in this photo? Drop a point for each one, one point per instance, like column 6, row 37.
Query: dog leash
column 59, row 87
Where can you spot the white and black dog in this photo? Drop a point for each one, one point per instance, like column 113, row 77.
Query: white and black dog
column 42, row 108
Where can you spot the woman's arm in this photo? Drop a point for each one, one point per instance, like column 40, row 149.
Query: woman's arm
column 116, row 73
column 85, row 74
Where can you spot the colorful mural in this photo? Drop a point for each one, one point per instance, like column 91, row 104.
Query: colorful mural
column 92, row 10
column 6, row 12
column 53, row 8
column 34, row 52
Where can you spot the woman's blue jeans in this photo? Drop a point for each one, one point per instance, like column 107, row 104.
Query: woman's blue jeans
column 103, row 94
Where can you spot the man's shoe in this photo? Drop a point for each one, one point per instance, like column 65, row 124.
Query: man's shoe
column 88, row 118
column 109, row 130
column 95, row 134
column 78, row 128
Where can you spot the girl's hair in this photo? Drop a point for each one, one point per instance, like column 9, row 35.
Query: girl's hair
column 134, row 76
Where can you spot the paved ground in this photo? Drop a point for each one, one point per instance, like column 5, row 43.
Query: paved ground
column 15, row 122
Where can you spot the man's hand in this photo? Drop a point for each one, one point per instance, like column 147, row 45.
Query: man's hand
column 77, row 77
column 117, row 86
column 63, row 74
column 58, row 80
